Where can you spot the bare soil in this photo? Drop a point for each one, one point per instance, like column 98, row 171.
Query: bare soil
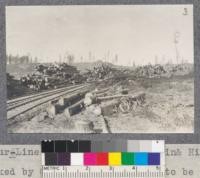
column 169, row 108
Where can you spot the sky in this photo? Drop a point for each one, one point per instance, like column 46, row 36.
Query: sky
column 135, row 33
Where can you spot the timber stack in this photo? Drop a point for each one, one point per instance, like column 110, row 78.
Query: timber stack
column 97, row 101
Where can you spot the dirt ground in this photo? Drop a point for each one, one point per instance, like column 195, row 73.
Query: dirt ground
column 80, row 123
column 168, row 108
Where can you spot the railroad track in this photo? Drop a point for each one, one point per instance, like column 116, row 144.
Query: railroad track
column 22, row 105
column 12, row 104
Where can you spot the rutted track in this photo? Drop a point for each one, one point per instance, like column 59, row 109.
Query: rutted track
column 29, row 103
column 12, row 104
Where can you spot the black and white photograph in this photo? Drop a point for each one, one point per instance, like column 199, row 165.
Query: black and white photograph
column 100, row 69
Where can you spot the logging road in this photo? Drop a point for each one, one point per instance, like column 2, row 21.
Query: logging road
column 21, row 105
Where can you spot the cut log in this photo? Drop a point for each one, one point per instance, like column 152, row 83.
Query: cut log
column 140, row 96
column 111, row 97
column 101, row 94
column 90, row 98
column 100, row 91
column 62, row 101
column 74, row 109
column 89, row 101
column 124, row 92
column 53, row 109
column 53, row 102
column 109, row 107
column 70, row 100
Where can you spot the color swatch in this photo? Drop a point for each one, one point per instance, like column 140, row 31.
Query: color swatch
column 101, row 153
column 102, row 158
column 102, row 146
column 141, row 158
column 127, row 158
column 114, row 159
column 97, row 159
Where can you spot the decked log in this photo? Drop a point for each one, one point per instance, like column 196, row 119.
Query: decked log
column 110, row 97
column 70, row 100
column 101, row 94
column 100, row 91
column 124, row 92
column 53, row 109
column 74, row 109
column 140, row 96
column 109, row 107
column 90, row 98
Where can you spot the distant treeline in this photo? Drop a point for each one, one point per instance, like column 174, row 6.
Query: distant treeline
column 25, row 59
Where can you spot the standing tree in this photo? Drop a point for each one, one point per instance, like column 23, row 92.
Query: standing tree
column 36, row 60
column 70, row 59
column 176, row 42
column 116, row 59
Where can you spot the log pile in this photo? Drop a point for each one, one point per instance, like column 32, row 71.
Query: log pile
column 70, row 105
column 96, row 102
column 116, row 103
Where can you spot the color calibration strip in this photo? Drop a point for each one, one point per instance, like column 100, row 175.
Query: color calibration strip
column 101, row 158
column 102, row 146
column 101, row 153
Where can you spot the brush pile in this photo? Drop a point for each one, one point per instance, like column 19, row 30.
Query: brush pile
column 157, row 71
column 101, row 72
